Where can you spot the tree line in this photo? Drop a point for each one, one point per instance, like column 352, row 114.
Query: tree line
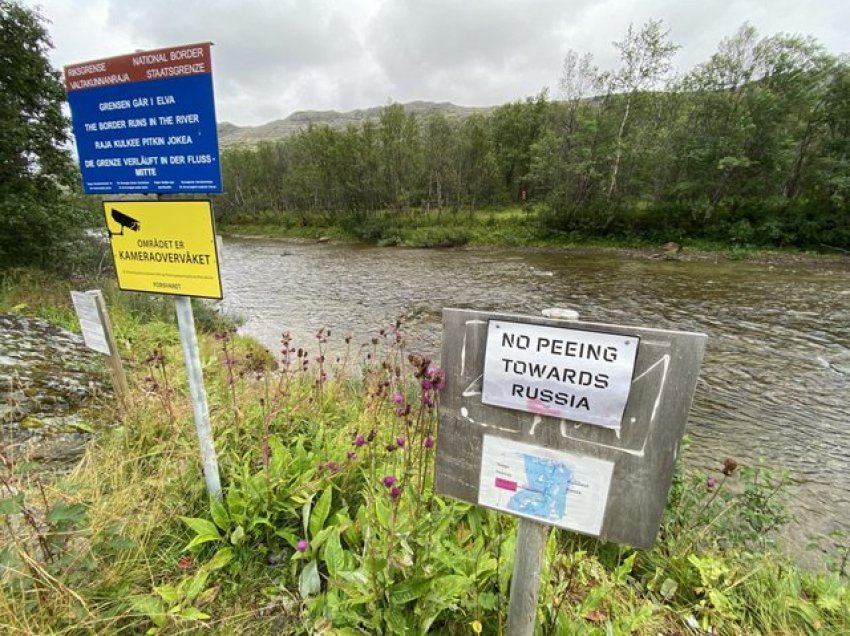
column 751, row 146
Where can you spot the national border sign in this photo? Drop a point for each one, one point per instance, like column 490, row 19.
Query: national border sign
column 164, row 247
column 145, row 122
column 566, row 423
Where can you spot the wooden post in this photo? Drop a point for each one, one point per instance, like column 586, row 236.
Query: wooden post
column 119, row 378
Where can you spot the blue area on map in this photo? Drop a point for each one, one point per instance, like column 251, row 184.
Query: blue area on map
column 545, row 493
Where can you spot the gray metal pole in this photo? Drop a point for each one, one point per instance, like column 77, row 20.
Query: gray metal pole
column 531, row 540
column 189, row 340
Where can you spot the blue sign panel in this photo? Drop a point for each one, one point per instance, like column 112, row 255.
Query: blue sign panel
column 145, row 123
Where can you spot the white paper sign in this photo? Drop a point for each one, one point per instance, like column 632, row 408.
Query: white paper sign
column 94, row 335
column 557, row 488
column 583, row 376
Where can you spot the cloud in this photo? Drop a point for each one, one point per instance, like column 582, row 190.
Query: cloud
column 273, row 57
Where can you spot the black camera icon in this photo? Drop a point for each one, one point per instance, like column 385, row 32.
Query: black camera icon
column 125, row 221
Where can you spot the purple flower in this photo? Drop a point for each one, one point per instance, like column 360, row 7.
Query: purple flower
column 359, row 441
column 429, row 442
column 399, row 441
column 437, row 377
column 426, row 384
column 711, row 484
column 389, row 480
column 398, row 398
column 426, row 400
column 351, row 455
column 395, row 493
column 332, row 466
column 302, row 545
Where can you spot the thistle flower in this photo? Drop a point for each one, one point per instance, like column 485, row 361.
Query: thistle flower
column 351, row 455
column 400, row 441
column 398, row 398
column 359, row 441
column 710, row 484
column 389, row 480
column 395, row 493
column 429, row 442
column 302, row 545
column 729, row 466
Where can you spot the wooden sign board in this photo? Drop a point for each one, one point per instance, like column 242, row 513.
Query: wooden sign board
column 538, row 456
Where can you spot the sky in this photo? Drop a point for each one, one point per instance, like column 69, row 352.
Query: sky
column 274, row 57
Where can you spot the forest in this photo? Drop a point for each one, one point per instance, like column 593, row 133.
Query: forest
column 751, row 147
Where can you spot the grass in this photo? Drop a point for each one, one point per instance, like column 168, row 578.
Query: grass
column 329, row 522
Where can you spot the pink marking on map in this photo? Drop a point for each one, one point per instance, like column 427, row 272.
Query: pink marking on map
column 504, row 484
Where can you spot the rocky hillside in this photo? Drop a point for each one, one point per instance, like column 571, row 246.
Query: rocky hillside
column 230, row 134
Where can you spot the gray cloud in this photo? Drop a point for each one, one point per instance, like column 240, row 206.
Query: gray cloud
column 273, row 57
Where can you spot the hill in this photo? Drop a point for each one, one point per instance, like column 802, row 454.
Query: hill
column 231, row 135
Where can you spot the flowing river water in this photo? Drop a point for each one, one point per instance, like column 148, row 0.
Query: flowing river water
column 773, row 384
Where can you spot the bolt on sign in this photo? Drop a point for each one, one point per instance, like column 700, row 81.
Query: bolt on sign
column 567, row 423
column 164, row 247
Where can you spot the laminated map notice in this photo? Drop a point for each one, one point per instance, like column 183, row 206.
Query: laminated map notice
column 553, row 487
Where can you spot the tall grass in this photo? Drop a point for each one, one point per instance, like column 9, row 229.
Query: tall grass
column 330, row 524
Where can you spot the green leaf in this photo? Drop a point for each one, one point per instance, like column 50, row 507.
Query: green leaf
column 167, row 593
column 202, row 527
column 668, row 589
column 12, row 505
column 149, row 606
column 309, row 582
column 197, row 583
column 221, row 558
column 320, row 512
column 410, row 590
column 219, row 514
column 200, row 539
column 193, row 614
column 334, row 554
column 237, row 536
column 66, row 514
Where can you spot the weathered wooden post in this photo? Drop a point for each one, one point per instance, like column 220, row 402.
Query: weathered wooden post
column 562, row 423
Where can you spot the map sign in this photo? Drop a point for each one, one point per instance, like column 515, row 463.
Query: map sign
column 557, row 488
column 164, row 247
column 583, row 376
column 145, row 122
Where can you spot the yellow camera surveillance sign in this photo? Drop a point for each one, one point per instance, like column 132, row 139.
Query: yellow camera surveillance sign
column 164, row 247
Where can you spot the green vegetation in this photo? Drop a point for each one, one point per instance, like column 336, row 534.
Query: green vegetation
column 41, row 223
column 329, row 523
column 749, row 148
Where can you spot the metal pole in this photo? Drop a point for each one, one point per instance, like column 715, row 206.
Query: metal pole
column 189, row 340
column 531, row 540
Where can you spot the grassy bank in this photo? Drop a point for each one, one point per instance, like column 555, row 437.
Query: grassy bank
column 508, row 227
column 329, row 522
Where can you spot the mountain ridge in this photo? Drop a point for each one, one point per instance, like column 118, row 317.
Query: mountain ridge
column 230, row 134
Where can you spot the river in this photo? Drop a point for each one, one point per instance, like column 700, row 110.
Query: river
column 773, row 384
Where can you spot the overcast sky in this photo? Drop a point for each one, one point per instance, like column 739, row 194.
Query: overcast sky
column 274, row 57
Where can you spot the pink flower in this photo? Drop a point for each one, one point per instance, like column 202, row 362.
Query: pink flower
column 399, row 441
column 398, row 398
column 710, row 484
column 359, row 441
column 395, row 493
column 351, row 455
column 302, row 545
column 389, row 480
column 429, row 442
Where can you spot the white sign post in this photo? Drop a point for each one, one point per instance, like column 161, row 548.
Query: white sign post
column 97, row 334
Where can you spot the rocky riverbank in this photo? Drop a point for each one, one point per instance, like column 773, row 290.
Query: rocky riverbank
column 48, row 381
